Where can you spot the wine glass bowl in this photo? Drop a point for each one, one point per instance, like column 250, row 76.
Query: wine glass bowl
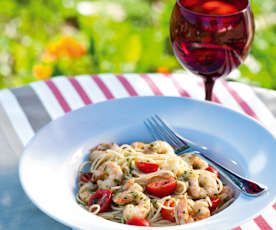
column 211, row 38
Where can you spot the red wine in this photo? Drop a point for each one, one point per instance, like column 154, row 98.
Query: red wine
column 214, row 7
column 208, row 60
column 211, row 37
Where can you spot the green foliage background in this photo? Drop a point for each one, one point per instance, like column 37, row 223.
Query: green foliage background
column 120, row 36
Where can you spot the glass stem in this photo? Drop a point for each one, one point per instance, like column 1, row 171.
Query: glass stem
column 209, row 85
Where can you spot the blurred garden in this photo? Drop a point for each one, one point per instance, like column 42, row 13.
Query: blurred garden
column 44, row 38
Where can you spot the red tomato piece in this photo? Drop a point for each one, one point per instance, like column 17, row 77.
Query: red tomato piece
column 147, row 167
column 168, row 214
column 101, row 197
column 85, row 177
column 139, row 222
column 215, row 203
column 213, row 170
column 161, row 186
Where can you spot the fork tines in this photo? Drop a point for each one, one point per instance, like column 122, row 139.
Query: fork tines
column 160, row 130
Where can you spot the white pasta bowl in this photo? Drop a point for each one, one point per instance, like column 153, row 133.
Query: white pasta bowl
column 48, row 167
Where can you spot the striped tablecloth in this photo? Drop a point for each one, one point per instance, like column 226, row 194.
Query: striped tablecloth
column 24, row 110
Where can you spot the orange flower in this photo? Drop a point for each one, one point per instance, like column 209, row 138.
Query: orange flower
column 48, row 57
column 72, row 48
column 42, row 72
column 163, row 70
column 64, row 47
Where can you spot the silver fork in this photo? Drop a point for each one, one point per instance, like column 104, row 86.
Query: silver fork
column 160, row 130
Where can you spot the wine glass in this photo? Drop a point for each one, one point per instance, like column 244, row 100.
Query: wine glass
column 211, row 37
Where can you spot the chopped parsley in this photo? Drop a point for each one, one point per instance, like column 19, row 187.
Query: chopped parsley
column 95, row 201
column 130, row 169
column 183, row 177
column 225, row 199
column 154, row 202
column 116, row 181
column 135, row 196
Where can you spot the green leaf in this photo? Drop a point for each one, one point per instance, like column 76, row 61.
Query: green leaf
column 133, row 49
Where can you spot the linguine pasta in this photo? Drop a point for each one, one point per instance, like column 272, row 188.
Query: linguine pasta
column 150, row 182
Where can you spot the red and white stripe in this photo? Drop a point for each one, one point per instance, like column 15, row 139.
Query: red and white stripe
column 164, row 85
column 269, row 216
column 140, row 86
column 69, row 93
column 243, row 104
column 102, row 86
column 48, row 99
column 128, row 87
column 250, row 225
column 91, row 88
column 190, row 84
column 85, row 98
column 58, row 95
column 257, row 106
column 226, row 98
column 114, row 85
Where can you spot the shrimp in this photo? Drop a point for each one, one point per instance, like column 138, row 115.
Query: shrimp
column 134, row 186
column 182, row 211
column 186, row 214
column 109, row 174
column 161, row 147
column 200, row 210
column 195, row 161
column 138, row 145
column 99, row 150
column 202, row 184
column 227, row 194
column 133, row 194
column 86, row 191
column 174, row 164
column 106, row 146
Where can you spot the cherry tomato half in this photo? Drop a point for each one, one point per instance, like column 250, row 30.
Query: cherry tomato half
column 147, row 167
column 161, row 186
column 85, row 177
column 168, row 214
column 213, row 170
column 215, row 202
column 101, row 197
column 139, row 222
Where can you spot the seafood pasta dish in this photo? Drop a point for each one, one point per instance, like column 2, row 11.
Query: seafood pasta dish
column 149, row 185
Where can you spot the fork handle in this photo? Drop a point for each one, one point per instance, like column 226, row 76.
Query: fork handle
column 245, row 185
